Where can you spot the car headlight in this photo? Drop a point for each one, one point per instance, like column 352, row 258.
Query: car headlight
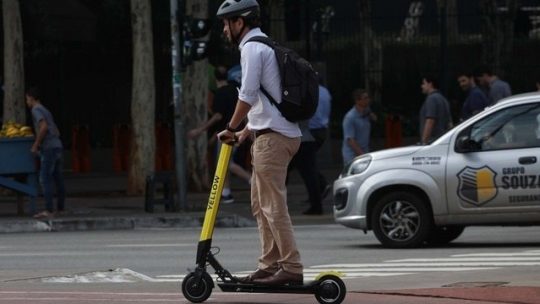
column 357, row 166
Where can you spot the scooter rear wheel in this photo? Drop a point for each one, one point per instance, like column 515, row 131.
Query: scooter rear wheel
column 330, row 290
column 197, row 292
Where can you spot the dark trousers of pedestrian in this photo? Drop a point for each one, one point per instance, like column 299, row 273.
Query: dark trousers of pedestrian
column 320, row 135
column 305, row 161
column 51, row 174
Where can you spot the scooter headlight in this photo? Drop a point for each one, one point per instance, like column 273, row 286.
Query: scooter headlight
column 357, row 166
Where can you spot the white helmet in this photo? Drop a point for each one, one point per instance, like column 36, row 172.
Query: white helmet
column 238, row 8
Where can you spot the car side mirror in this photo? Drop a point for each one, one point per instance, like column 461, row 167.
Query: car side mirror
column 464, row 144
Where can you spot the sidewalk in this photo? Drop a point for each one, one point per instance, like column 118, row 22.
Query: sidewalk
column 98, row 202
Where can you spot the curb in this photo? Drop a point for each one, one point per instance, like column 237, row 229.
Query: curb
column 119, row 223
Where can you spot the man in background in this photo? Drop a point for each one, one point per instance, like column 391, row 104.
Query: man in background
column 476, row 101
column 435, row 118
column 48, row 146
column 357, row 127
column 497, row 89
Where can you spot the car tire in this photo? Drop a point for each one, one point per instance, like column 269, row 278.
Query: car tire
column 401, row 220
column 444, row 234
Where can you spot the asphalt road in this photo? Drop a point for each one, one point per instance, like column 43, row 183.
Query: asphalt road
column 147, row 266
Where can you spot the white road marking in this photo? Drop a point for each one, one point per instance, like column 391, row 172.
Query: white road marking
column 456, row 264
column 499, row 254
column 146, row 245
column 480, row 259
column 47, row 254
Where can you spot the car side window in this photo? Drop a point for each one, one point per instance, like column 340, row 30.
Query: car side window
column 511, row 128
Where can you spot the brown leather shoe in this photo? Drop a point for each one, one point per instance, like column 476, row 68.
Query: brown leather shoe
column 258, row 274
column 282, row 278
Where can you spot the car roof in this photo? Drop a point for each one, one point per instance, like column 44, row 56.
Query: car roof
column 519, row 98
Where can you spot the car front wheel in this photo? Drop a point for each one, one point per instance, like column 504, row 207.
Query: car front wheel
column 401, row 220
column 444, row 234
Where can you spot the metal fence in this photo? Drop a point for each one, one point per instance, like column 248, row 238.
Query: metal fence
column 386, row 45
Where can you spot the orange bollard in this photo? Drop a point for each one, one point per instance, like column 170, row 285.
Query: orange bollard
column 393, row 131
column 121, row 147
column 163, row 147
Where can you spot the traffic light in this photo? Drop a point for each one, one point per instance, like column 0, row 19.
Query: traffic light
column 199, row 28
column 194, row 33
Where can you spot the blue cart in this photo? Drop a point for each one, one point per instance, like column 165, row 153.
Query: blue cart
column 18, row 170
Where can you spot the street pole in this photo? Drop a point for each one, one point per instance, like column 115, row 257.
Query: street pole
column 179, row 134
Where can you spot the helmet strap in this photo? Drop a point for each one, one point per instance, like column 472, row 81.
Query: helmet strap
column 236, row 38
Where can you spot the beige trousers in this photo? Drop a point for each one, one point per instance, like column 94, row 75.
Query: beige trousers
column 271, row 154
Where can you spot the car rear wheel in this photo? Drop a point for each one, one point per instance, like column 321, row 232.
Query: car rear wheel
column 401, row 220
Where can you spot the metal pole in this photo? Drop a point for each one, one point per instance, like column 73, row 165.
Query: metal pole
column 179, row 133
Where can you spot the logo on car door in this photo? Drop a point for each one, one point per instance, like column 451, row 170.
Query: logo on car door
column 477, row 185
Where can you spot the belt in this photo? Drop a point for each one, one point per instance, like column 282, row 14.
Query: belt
column 263, row 131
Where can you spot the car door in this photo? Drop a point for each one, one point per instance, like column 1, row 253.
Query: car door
column 493, row 165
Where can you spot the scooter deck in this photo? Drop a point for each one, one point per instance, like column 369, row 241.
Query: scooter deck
column 308, row 288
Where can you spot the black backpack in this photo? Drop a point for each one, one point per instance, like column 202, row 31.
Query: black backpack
column 299, row 83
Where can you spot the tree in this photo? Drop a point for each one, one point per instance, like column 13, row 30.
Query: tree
column 195, row 96
column 14, row 104
column 143, row 98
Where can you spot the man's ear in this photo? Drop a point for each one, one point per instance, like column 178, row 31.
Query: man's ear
column 241, row 22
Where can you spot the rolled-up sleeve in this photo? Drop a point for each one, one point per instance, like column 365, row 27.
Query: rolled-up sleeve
column 251, row 74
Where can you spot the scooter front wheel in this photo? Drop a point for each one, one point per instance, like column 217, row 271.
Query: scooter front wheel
column 197, row 291
column 330, row 290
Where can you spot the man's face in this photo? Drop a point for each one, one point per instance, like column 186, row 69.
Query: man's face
column 231, row 27
column 29, row 100
column 483, row 80
column 426, row 86
column 464, row 82
column 363, row 101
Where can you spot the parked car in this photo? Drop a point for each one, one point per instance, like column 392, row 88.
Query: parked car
column 484, row 171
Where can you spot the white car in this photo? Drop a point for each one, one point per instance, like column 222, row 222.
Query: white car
column 485, row 171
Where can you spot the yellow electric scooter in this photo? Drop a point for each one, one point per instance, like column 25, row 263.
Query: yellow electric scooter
column 197, row 286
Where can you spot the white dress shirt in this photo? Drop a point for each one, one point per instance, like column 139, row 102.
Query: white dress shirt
column 259, row 68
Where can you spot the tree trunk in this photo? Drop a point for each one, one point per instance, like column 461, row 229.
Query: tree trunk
column 195, row 96
column 142, row 99
column 14, row 104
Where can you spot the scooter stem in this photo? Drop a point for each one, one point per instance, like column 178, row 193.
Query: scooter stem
column 213, row 201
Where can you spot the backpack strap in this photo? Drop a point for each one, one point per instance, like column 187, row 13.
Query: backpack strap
column 271, row 43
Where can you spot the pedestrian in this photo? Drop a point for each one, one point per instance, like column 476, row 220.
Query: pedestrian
column 48, row 146
column 357, row 126
column 318, row 127
column 276, row 140
column 305, row 161
column 476, row 100
column 497, row 89
column 434, row 117
column 225, row 97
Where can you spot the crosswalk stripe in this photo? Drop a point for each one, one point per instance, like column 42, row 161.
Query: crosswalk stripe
column 479, row 259
column 399, row 267
column 498, row 254
column 448, row 264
